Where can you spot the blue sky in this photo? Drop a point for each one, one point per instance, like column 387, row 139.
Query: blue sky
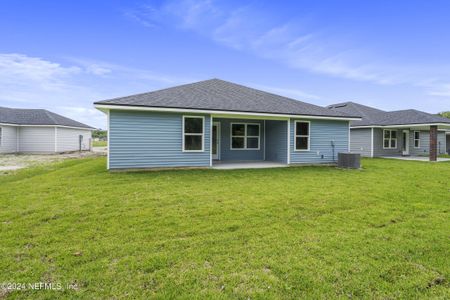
column 64, row 55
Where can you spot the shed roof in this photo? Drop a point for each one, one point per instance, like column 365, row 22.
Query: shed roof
column 23, row 116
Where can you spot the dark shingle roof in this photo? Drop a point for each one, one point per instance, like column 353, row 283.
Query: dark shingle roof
column 377, row 117
column 21, row 116
column 216, row 94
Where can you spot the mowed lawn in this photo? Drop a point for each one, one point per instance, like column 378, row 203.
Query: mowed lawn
column 99, row 143
column 300, row 232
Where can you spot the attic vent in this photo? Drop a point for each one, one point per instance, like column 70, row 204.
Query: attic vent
column 340, row 105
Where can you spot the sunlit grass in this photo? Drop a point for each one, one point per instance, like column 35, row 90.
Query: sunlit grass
column 300, row 232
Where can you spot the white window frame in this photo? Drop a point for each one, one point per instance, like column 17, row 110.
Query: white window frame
column 1, row 136
column 416, row 139
column 193, row 134
column 245, row 136
column 390, row 138
column 302, row 135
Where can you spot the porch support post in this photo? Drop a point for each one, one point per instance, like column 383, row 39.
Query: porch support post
column 433, row 143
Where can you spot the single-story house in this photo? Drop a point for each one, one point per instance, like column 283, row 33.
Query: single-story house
column 41, row 131
column 395, row 133
column 214, row 121
column 447, row 134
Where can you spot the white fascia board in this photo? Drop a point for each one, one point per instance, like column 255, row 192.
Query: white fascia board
column 402, row 126
column 59, row 126
column 219, row 113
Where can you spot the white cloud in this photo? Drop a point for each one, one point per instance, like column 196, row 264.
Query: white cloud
column 71, row 89
column 45, row 74
column 291, row 42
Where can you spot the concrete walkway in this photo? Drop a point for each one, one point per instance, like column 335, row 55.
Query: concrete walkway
column 233, row 165
column 416, row 158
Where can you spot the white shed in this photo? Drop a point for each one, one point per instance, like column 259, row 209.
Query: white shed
column 41, row 131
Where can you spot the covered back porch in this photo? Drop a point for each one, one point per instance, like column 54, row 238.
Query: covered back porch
column 414, row 141
column 247, row 142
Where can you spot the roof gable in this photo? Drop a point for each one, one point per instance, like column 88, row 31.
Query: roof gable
column 220, row 95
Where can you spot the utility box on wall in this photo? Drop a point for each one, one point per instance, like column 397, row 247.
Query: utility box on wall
column 349, row 160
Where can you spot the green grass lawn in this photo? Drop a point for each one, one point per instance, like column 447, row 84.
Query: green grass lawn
column 99, row 143
column 300, row 232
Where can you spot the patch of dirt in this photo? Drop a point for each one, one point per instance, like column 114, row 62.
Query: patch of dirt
column 436, row 281
column 11, row 162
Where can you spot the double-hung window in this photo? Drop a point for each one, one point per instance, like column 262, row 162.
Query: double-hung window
column 193, row 134
column 245, row 136
column 389, row 139
column 416, row 139
column 302, row 135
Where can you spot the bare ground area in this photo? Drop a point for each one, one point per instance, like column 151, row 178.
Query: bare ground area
column 11, row 162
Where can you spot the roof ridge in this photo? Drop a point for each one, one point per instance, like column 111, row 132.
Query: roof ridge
column 49, row 114
column 273, row 94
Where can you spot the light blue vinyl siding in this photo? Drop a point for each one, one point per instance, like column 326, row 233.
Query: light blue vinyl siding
column 225, row 139
column 140, row 139
column 322, row 132
column 276, row 141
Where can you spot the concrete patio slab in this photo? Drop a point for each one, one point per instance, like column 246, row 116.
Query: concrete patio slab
column 233, row 165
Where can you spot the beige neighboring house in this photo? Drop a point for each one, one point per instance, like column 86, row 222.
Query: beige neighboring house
column 42, row 132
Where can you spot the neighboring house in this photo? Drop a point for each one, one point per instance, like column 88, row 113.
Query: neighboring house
column 395, row 133
column 41, row 131
column 203, row 123
column 447, row 134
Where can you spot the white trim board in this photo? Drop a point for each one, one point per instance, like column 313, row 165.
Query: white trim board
column 61, row 126
column 349, row 142
column 210, row 141
column 288, row 141
column 56, row 139
column 264, row 141
column 107, row 140
column 104, row 107
column 403, row 126
column 371, row 142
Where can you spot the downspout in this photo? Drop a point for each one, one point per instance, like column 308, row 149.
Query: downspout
column 56, row 139
column 371, row 142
